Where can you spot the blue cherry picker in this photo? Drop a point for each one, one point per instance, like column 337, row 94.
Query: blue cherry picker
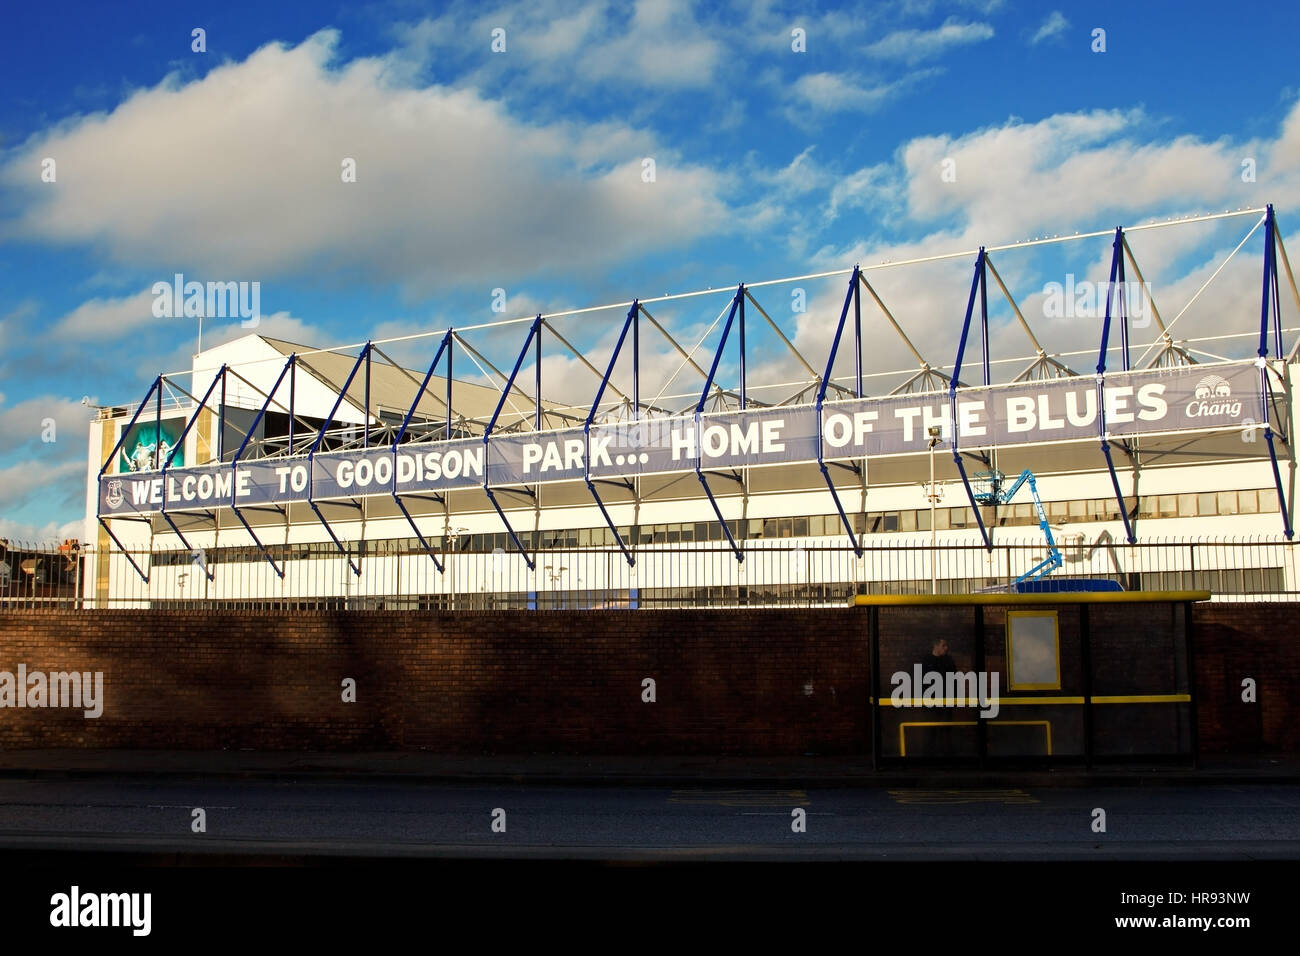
column 995, row 492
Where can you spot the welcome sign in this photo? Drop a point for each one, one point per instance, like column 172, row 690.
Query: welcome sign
column 1129, row 404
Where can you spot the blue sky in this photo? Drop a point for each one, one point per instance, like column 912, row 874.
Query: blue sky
column 522, row 170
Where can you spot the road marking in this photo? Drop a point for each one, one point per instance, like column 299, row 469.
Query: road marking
column 740, row 798
column 956, row 797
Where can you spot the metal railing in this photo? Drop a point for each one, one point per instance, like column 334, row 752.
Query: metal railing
column 34, row 574
column 774, row 572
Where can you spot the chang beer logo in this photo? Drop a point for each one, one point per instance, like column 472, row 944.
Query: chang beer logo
column 1213, row 398
column 114, row 498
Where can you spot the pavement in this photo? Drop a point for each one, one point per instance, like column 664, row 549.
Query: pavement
column 631, row 770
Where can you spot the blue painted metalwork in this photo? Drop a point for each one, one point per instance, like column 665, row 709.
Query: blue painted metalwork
column 717, row 355
column 364, row 357
column 632, row 320
column 977, row 283
column 445, row 346
column 189, row 423
column 121, row 547
column 534, row 331
column 258, row 541
column 851, row 297
column 290, row 367
column 1271, row 305
column 356, row 366
column 221, row 423
column 740, row 330
column 112, row 456
column 857, row 340
column 180, row 443
column 1121, row 302
column 736, row 301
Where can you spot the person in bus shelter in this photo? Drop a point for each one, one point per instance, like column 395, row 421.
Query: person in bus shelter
column 938, row 659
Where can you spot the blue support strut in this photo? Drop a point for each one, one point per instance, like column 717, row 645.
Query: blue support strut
column 252, row 430
column 850, row 298
column 699, row 431
column 443, row 347
column 1270, row 307
column 977, row 283
column 180, row 443
column 632, row 318
column 1116, row 271
column 534, row 330
column 315, row 446
column 112, row 457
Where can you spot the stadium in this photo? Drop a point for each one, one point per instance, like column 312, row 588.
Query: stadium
column 696, row 451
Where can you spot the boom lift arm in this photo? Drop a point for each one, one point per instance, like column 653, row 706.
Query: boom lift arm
column 997, row 495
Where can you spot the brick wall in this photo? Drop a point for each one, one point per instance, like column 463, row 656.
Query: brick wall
column 765, row 682
column 760, row 682
column 1258, row 641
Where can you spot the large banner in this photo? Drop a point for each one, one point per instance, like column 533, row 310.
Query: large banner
column 1128, row 404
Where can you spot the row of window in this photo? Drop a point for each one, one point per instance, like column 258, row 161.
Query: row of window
column 1203, row 504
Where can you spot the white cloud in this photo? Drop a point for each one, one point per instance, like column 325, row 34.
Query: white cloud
column 50, row 533
column 1052, row 27
column 1067, row 172
column 913, row 46
column 815, row 95
column 838, row 92
column 106, row 319
column 52, row 481
column 237, row 175
column 658, row 44
column 22, row 425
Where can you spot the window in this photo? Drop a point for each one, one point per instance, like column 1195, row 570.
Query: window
column 1227, row 502
column 769, row 528
column 1247, row 502
column 1187, row 506
column 1205, row 503
column 907, row 520
column 800, row 527
column 922, row 520
column 890, row 522
column 817, row 525
column 1167, row 506
column 941, row 521
column 1267, row 500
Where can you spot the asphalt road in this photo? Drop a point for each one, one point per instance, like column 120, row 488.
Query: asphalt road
column 420, row 819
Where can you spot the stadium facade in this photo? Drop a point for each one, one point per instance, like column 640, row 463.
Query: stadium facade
column 275, row 471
